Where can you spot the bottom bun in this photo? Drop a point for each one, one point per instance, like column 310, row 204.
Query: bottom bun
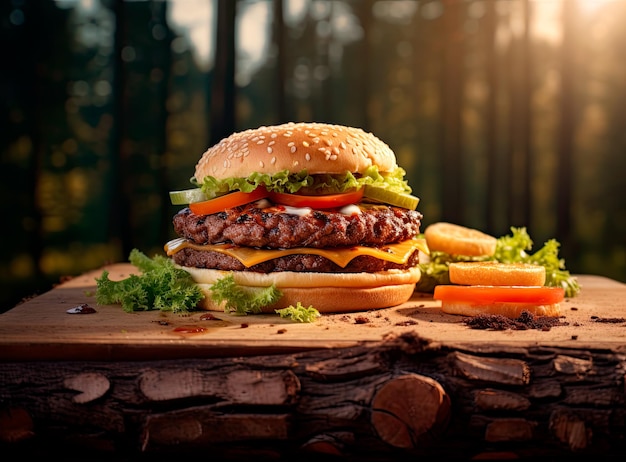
column 326, row 292
column 510, row 310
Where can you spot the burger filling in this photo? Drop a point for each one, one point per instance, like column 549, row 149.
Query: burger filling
column 254, row 225
column 263, row 225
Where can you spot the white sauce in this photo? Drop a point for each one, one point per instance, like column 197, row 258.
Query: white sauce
column 351, row 209
column 300, row 211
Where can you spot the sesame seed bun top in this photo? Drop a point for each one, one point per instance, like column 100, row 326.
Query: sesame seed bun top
column 317, row 147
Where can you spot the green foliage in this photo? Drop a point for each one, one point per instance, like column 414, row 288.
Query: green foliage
column 161, row 286
column 243, row 300
column 299, row 313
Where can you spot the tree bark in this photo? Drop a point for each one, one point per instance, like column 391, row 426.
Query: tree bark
column 403, row 398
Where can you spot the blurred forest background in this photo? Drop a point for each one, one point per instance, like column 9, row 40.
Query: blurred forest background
column 503, row 112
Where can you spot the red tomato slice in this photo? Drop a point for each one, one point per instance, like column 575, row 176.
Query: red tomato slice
column 327, row 201
column 540, row 295
column 227, row 201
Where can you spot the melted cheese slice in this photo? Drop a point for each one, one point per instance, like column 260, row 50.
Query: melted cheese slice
column 396, row 253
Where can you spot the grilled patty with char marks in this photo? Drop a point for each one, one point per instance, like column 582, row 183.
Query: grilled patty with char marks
column 252, row 225
column 299, row 262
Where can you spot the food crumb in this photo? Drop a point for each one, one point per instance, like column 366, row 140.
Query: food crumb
column 526, row 320
column 244, row 325
column 81, row 309
column 281, row 331
column 608, row 320
column 209, row 317
column 410, row 322
column 361, row 320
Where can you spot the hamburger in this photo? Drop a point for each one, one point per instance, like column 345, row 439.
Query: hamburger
column 321, row 212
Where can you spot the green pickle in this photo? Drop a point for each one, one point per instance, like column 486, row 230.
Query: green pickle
column 187, row 196
column 404, row 200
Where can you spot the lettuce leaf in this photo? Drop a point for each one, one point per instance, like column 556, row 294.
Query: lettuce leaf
column 243, row 300
column 299, row 313
column 160, row 286
column 293, row 182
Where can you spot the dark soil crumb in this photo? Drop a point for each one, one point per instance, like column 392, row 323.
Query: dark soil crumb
column 525, row 321
column 410, row 322
column 608, row 320
column 361, row 320
column 209, row 317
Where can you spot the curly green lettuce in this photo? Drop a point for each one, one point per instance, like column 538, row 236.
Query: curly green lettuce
column 243, row 300
column 513, row 248
column 292, row 182
column 299, row 313
column 160, row 286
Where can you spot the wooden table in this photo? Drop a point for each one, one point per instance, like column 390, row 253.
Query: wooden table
column 401, row 383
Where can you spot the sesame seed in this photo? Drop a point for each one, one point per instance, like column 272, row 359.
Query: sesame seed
column 273, row 161
column 305, row 144
column 328, row 142
column 261, row 164
column 333, row 157
column 292, row 149
column 291, row 143
column 260, row 142
column 272, row 143
column 296, row 163
column 308, row 156
column 269, row 150
column 342, row 145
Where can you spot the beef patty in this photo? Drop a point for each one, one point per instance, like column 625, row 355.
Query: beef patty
column 254, row 225
column 300, row 262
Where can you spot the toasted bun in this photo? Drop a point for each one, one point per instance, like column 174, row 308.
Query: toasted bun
column 326, row 292
column 459, row 240
column 510, row 310
column 490, row 273
column 316, row 147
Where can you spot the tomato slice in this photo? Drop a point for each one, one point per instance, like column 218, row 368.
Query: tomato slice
column 327, row 201
column 227, row 201
column 540, row 295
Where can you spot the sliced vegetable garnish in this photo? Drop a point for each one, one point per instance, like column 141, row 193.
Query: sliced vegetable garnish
column 227, row 201
column 379, row 194
column 187, row 196
column 496, row 294
column 327, row 201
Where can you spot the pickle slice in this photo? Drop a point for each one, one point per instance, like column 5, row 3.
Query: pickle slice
column 404, row 200
column 187, row 196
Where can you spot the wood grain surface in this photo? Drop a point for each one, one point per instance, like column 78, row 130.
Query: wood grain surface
column 42, row 328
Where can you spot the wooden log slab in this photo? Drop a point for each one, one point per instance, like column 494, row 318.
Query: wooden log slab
column 402, row 383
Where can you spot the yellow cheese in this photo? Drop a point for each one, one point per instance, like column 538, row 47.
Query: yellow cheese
column 396, row 253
